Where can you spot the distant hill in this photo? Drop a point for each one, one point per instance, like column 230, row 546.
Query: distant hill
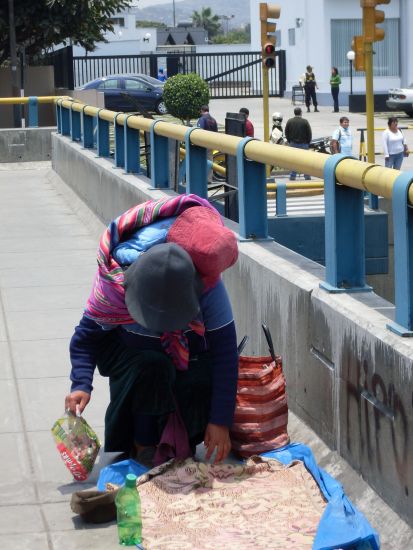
column 184, row 9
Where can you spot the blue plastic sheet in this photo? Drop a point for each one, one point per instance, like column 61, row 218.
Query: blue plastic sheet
column 116, row 473
column 341, row 525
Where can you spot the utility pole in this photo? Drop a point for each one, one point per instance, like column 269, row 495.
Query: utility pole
column 13, row 65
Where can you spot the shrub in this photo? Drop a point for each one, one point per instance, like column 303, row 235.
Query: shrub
column 184, row 94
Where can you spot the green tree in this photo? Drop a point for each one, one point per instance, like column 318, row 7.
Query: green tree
column 237, row 36
column 184, row 94
column 206, row 20
column 41, row 24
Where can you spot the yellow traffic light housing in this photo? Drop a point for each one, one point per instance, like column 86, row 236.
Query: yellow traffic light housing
column 268, row 11
column 357, row 45
column 372, row 16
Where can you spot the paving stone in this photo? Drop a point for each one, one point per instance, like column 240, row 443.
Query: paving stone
column 25, row 541
column 42, row 325
column 16, row 479
column 41, row 358
column 103, row 537
column 50, row 275
column 46, row 297
column 10, row 420
column 20, row 519
column 43, row 401
column 5, row 361
column 47, row 258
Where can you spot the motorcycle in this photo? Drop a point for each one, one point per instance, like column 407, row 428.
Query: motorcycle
column 321, row 145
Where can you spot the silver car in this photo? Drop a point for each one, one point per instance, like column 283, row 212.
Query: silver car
column 401, row 99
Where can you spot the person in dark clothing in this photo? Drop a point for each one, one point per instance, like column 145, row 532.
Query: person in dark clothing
column 159, row 325
column 298, row 134
column 206, row 121
column 310, row 84
column 249, row 127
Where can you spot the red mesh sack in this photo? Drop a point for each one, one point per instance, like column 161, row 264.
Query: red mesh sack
column 261, row 410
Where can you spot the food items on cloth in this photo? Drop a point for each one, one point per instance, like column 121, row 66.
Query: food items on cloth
column 77, row 444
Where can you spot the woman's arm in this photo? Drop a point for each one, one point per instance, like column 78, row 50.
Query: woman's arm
column 385, row 143
column 84, row 346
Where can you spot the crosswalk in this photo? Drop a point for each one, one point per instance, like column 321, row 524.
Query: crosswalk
column 299, row 206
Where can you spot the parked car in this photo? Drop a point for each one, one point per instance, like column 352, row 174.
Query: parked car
column 129, row 92
column 401, row 99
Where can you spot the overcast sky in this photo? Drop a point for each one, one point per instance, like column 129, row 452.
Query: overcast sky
column 145, row 3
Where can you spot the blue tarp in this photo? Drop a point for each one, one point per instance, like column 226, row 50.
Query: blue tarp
column 341, row 525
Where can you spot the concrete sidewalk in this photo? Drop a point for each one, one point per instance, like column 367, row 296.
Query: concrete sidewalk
column 48, row 248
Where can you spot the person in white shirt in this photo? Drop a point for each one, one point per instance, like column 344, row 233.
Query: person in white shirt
column 394, row 145
column 342, row 140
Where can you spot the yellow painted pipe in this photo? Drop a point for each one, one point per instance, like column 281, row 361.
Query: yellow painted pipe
column 297, row 185
column 25, row 100
column 353, row 173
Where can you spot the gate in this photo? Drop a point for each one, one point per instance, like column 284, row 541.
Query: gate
column 236, row 74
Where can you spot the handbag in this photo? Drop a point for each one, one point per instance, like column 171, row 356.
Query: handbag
column 406, row 151
column 261, row 410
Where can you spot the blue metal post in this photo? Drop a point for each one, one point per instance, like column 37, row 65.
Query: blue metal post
column 344, row 234
column 132, row 149
column 102, row 137
column 119, row 143
column 252, row 196
column 403, row 256
column 59, row 116
column 196, row 164
column 87, row 130
column 75, row 125
column 373, row 201
column 33, row 112
column 65, row 121
column 281, row 202
column 159, row 159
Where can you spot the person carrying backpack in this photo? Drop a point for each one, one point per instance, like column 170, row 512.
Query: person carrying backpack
column 206, row 121
column 342, row 140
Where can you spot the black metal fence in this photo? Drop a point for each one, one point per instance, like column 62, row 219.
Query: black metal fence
column 235, row 74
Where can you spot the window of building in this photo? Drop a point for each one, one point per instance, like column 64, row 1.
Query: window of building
column 291, row 37
column 278, row 39
column 386, row 59
column 120, row 21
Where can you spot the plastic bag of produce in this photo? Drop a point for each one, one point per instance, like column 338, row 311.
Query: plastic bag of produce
column 77, row 444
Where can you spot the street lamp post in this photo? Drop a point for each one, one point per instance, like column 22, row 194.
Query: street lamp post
column 350, row 56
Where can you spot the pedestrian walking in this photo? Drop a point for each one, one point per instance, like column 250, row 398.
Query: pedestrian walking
column 335, row 81
column 249, row 127
column 394, row 145
column 342, row 139
column 310, row 85
column 298, row 134
column 159, row 325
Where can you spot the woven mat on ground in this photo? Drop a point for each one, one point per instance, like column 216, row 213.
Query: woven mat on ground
column 260, row 504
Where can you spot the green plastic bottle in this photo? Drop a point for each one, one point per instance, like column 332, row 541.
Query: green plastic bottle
column 128, row 506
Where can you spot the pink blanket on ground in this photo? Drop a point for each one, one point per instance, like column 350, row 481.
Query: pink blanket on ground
column 260, row 505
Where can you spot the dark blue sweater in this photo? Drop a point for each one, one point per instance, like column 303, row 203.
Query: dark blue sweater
column 219, row 340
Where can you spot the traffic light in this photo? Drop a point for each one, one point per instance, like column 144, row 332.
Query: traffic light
column 357, row 45
column 371, row 16
column 268, row 11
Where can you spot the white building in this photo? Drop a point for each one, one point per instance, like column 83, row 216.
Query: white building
column 126, row 38
column 319, row 33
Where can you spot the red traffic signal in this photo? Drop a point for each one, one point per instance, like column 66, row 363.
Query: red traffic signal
column 268, row 57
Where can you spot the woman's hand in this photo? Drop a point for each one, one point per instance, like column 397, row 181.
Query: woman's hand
column 217, row 437
column 77, row 398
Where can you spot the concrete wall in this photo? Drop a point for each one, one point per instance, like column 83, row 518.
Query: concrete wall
column 348, row 377
column 25, row 144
